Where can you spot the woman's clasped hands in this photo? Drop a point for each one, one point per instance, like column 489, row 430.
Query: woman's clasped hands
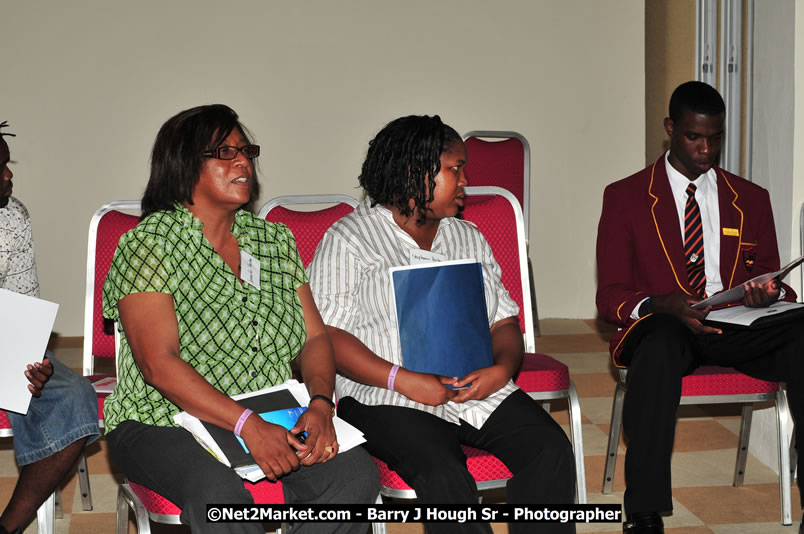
column 278, row 451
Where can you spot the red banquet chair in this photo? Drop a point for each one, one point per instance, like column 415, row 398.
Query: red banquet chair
column 500, row 219
column 308, row 227
column 502, row 159
column 108, row 224
column 498, row 216
column 720, row 385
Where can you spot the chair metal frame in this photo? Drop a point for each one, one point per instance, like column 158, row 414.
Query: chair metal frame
column 301, row 200
column 127, row 498
column 778, row 397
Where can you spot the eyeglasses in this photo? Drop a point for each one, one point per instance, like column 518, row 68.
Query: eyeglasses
column 230, row 152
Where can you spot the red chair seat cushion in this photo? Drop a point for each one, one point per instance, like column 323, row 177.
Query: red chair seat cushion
column 264, row 492
column 713, row 380
column 4, row 422
column 541, row 372
column 482, row 465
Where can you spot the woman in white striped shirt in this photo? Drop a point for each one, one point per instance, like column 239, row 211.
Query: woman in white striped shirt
column 413, row 177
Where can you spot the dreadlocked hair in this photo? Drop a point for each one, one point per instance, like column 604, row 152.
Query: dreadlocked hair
column 401, row 158
column 4, row 124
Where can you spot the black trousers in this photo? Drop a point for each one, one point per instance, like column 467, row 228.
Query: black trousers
column 425, row 451
column 659, row 352
column 172, row 463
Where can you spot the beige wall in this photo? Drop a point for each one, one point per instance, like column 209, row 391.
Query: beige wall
column 669, row 62
column 86, row 85
column 798, row 151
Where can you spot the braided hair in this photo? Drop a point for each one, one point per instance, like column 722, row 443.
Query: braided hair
column 401, row 158
column 4, row 124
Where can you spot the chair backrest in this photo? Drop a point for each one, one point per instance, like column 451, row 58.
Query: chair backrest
column 500, row 159
column 308, row 227
column 105, row 228
column 498, row 216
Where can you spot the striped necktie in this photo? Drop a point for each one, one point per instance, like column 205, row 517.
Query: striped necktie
column 693, row 243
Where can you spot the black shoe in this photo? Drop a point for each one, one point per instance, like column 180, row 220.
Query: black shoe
column 643, row 523
column 15, row 531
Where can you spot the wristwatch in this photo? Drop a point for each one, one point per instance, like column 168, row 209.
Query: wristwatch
column 325, row 399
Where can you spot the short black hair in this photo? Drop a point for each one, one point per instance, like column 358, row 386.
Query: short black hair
column 176, row 159
column 401, row 157
column 698, row 97
column 4, row 124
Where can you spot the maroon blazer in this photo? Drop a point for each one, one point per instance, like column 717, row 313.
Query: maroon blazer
column 640, row 252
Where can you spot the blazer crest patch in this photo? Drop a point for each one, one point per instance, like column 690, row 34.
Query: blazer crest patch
column 749, row 256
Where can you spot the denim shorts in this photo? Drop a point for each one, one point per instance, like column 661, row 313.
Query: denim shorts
column 66, row 411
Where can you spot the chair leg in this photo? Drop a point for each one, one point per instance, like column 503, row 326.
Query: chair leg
column 576, row 436
column 742, row 445
column 127, row 498
column 793, row 454
column 378, row 528
column 614, row 437
column 536, row 330
column 83, row 482
column 45, row 516
column 59, row 511
column 785, row 493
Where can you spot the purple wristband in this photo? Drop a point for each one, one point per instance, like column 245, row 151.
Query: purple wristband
column 392, row 377
column 241, row 421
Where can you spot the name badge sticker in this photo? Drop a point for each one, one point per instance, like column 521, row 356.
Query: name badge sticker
column 417, row 256
column 731, row 231
column 249, row 269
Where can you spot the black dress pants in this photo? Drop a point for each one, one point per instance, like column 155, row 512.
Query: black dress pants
column 171, row 462
column 659, row 352
column 425, row 451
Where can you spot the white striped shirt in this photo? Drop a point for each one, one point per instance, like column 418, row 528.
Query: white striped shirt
column 17, row 265
column 350, row 281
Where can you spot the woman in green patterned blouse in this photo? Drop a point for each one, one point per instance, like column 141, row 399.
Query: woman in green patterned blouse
column 213, row 302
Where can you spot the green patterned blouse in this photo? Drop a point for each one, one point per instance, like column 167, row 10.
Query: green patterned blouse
column 238, row 337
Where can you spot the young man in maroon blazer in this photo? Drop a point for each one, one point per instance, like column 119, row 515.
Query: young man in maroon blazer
column 670, row 235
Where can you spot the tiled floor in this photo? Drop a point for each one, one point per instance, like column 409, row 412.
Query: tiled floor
column 703, row 462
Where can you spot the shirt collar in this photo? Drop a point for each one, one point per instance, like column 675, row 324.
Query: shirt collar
column 187, row 219
column 679, row 183
column 366, row 208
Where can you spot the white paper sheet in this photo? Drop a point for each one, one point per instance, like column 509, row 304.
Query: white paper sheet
column 348, row 436
column 737, row 292
column 744, row 316
column 25, row 326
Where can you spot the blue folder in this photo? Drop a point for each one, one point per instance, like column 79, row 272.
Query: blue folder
column 442, row 317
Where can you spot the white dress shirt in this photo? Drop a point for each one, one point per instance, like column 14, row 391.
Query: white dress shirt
column 351, row 284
